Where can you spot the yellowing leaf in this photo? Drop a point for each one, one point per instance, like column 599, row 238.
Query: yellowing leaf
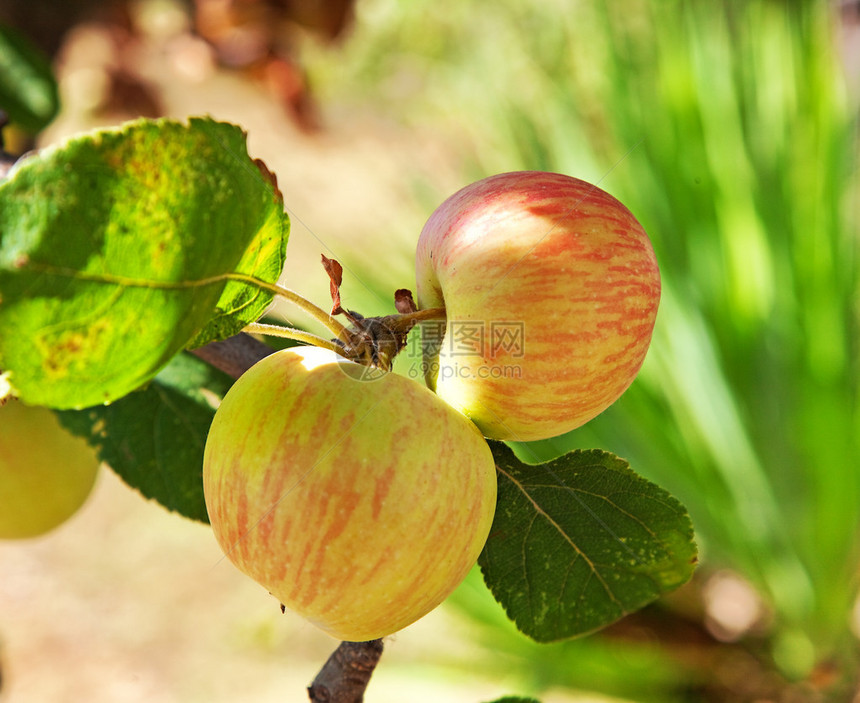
column 115, row 250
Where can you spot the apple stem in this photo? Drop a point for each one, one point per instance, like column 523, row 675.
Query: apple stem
column 423, row 315
column 314, row 311
column 349, row 343
column 292, row 333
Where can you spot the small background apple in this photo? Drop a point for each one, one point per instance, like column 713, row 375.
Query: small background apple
column 46, row 474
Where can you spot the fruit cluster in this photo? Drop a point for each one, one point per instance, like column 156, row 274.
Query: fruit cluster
column 361, row 500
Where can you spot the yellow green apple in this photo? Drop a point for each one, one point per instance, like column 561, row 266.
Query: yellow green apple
column 356, row 497
column 551, row 289
column 46, row 473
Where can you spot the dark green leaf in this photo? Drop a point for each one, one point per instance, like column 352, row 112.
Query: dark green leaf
column 515, row 699
column 581, row 541
column 154, row 438
column 115, row 249
column 28, row 91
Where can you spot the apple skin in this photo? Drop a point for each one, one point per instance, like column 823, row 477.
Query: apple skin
column 46, row 473
column 359, row 504
column 562, row 261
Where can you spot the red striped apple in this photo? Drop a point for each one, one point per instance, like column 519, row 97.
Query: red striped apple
column 551, row 290
column 360, row 501
column 46, row 474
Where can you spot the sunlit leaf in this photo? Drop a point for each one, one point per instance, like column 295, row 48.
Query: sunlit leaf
column 263, row 260
column 115, row 249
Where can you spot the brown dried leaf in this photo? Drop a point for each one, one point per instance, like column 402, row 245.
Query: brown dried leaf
column 269, row 176
column 335, row 274
column 404, row 302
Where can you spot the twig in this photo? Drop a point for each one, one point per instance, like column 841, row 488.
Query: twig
column 233, row 356
column 344, row 677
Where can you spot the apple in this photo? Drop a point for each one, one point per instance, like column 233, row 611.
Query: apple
column 551, row 289
column 356, row 497
column 46, row 473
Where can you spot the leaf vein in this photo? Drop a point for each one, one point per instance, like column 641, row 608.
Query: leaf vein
column 540, row 511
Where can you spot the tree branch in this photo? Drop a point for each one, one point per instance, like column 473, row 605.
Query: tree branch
column 233, row 356
column 344, row 677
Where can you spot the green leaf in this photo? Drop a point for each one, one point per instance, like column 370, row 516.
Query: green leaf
column 28, row 90
column 115, row 250
column 154, row 438
column 263, row 260
column 515, row 699
column 581, row 541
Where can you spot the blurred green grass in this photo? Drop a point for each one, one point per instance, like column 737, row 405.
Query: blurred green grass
column 728, row 130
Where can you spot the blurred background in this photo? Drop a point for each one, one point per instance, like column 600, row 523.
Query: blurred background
column 728, row 128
